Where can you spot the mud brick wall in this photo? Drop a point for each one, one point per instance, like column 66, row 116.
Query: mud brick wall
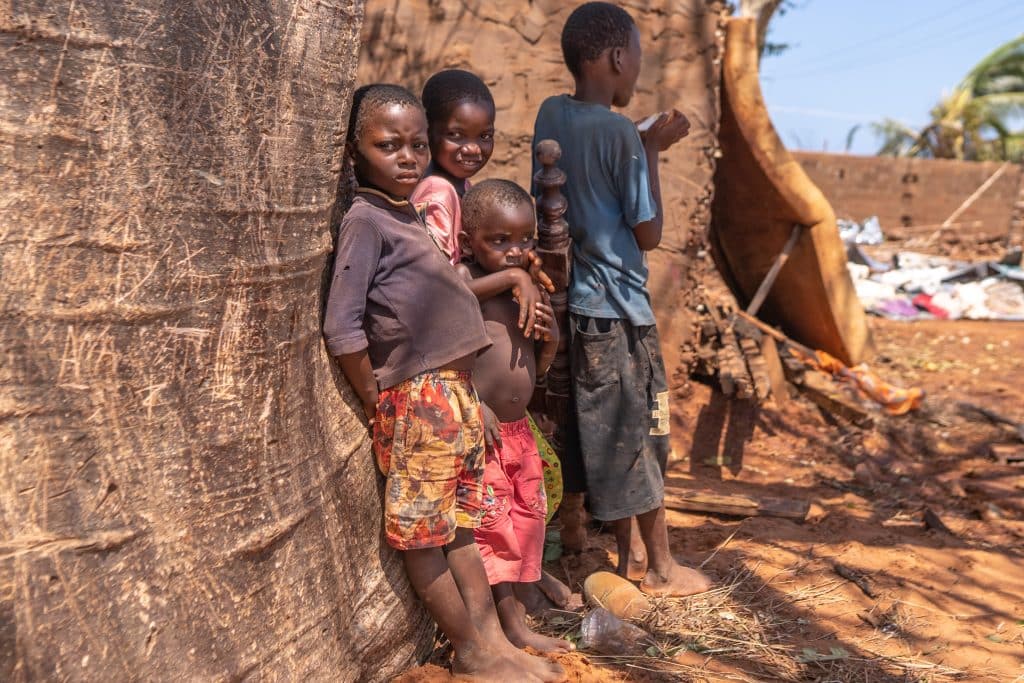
column 914, row 192
column 514, row 45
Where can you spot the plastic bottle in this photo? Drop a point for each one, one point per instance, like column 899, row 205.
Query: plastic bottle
column 604, row 632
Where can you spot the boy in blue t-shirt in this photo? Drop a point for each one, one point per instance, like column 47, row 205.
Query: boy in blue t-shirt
column 615, row 215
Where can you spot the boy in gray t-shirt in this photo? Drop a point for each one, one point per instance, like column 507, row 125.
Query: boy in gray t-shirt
column 615, row 216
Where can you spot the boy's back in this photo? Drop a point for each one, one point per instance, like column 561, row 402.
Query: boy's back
column 608, row 193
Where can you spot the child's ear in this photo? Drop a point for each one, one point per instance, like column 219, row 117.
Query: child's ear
column 464, row 243
column 615, row 57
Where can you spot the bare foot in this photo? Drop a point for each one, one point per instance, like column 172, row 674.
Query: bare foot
column 540, row 643
column 677, row 582
column 556, row 591
column 532, row 598
column 489, row 667
column 512, row 614
column 549, row 672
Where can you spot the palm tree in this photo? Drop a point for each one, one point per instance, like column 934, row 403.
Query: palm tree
column 973, row 122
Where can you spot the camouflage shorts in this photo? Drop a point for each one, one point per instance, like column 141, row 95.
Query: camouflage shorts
column 429, row 443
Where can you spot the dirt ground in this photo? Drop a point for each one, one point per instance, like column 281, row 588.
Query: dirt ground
column 938, row 605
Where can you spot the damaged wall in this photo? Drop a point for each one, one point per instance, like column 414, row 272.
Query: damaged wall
column 515, row 48
column 914, row 192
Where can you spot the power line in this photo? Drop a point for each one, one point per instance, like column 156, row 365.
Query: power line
column 910, row 50
column 959, row 4
column 920, row 41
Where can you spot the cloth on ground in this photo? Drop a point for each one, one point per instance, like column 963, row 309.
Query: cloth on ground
column 894, row 400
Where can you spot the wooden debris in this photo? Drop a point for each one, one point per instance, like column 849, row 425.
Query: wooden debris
column 818, row 389
column 732, row 371
column 903, row 522
column 933, row 521
column 773, row 273
column 854, row 577
column 774, row 369
column 732, row 504
column 1007, row 454
column 758, row 368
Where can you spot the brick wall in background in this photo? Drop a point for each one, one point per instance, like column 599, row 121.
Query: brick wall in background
column 914, row 192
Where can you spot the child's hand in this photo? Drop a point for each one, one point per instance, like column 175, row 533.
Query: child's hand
column 667, row 130
column 534, row 268
column 543, row 320
column 546, row 425
column 528, row 296
column 492, row 429
column 370, row 409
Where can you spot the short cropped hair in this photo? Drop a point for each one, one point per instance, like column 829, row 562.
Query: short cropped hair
column 591, row 29
column 368, row 100
column 485, row 195
column 447, row 89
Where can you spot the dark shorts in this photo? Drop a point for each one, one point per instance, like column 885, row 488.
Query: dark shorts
column 621, row 398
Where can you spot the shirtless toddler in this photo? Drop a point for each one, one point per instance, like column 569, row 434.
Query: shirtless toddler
column 498, row 225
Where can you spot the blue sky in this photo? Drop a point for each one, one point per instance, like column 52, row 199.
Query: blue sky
column 857, row 61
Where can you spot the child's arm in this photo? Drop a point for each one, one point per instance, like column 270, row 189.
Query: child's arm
column 516, row 279
column 359, row 373
column 548, row 328
column 355, row 263
column 670, row 128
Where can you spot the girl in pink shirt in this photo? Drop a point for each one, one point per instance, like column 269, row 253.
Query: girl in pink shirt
column 460, row 116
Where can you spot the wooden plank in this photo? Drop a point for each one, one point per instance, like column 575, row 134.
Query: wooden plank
column 773, row 366
column 737, row 505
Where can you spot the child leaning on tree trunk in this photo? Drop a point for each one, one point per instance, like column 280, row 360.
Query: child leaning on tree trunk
column 406, row 331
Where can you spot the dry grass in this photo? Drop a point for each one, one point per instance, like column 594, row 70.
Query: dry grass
column 742, row 632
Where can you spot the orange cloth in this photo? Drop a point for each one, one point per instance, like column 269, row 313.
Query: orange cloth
column 894, row 400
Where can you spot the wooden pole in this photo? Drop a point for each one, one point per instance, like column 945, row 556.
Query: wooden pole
column 554, row 246
column 970, row 200
column 766, row 285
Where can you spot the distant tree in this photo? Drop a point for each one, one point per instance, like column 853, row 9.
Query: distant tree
column 976, row 121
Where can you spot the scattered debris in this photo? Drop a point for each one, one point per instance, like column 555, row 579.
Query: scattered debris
column 854, row 577
column 740, row 506
column 619, row 596
column 1007, row 454
column 603, row 632
column 933, row 521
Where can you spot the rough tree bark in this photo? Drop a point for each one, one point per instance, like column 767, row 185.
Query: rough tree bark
column 185, row 491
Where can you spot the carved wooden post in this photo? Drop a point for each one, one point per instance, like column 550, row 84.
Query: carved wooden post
column 554, row 246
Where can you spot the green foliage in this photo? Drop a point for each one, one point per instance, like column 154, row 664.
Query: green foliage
column 976, row 120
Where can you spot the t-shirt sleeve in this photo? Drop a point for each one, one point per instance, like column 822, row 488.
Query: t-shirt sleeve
column 631, row 179
column 355, row 263
column 441, row 201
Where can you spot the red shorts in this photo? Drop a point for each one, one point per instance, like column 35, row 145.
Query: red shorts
column 511, row 535
column 429, row 441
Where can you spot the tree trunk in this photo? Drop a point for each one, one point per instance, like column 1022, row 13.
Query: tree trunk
column 762, row 11
column 185, row 490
